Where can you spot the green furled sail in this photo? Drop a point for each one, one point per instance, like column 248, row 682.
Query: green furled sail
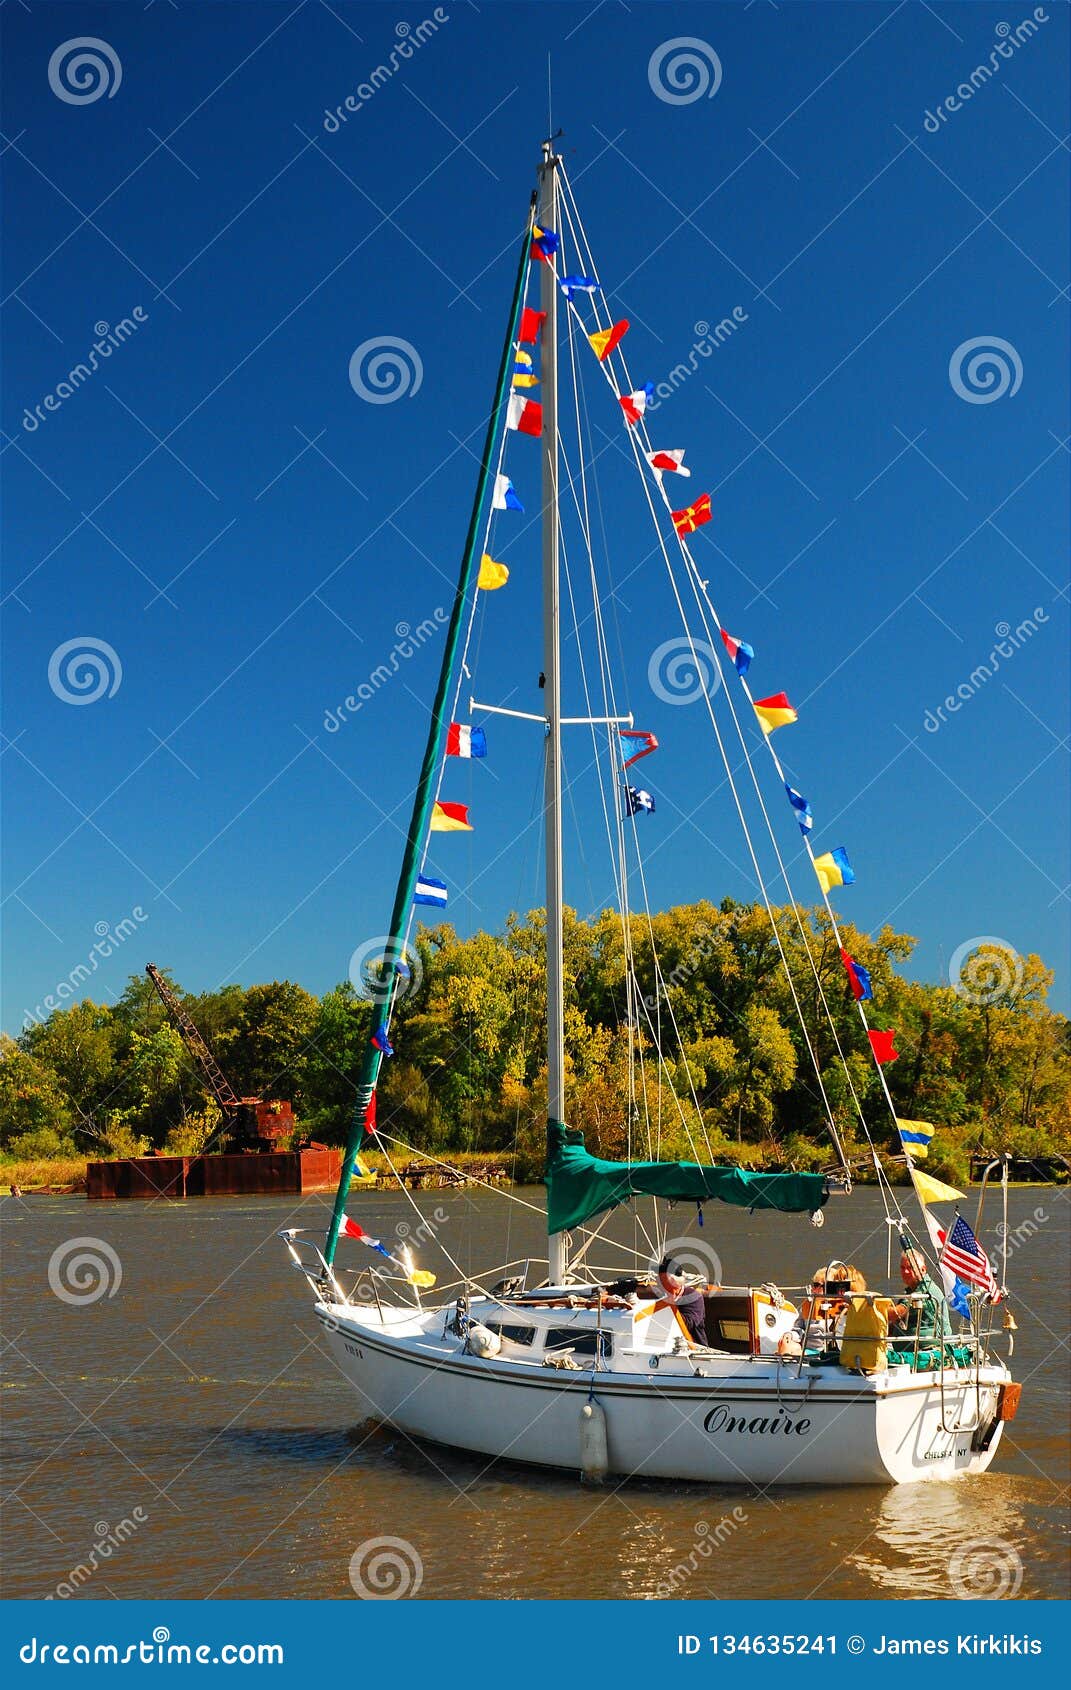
column 580, row 1185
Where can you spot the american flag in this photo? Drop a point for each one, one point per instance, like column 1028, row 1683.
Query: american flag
column 964, row 1256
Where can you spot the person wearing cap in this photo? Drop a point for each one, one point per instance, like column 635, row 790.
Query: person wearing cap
column 926, row 1320
column 685, row 1299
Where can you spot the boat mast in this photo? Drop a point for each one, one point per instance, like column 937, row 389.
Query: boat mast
column 547, row 218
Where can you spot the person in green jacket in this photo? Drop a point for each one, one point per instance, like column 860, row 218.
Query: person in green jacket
column 926, row 1320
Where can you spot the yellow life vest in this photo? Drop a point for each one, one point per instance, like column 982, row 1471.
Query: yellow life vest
column 866, row 1327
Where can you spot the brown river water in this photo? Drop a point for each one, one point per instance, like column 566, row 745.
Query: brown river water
column 185, row 1434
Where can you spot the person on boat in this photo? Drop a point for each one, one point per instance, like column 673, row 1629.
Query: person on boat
column 863, row 1331
column 830, row 1288
column 926, row 1316
column 856, row 1287
column 686, row 1299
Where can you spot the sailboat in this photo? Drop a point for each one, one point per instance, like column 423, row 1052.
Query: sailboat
column 562, row 1365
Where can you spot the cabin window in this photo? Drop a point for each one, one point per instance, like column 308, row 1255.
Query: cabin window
column 583, row 1341
column 515, row 1334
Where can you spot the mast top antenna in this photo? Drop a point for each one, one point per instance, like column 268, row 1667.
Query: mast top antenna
column 549, row 155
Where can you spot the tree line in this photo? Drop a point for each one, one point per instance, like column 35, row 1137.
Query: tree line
column 985, row 1060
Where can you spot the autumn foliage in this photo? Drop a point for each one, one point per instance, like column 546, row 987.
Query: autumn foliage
column 985, row 1059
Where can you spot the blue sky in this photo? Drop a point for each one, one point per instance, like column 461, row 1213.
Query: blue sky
column 219, row 507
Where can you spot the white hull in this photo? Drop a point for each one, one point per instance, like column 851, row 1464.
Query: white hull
column 737, row 1420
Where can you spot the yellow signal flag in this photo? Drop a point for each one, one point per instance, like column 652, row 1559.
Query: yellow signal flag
column 932, row 1190
column 833, row 869
column 450, row 818
column 603, row 341
column 916, row 1136
column 523, row 373
column 774, row 712
column 492, row 575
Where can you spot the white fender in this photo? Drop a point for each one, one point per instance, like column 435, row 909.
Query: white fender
column 483, row 1342
column 594, row 1453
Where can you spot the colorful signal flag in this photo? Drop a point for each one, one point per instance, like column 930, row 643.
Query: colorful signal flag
column 834, row 869
column 692, row 516
column 603, row 341
column 634, row 404
column 450, row 818
column 739, row 650
column 858, row 977
column 492, row 575
column 774, row 712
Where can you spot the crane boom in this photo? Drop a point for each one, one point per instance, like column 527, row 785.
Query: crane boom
column 219, row 1085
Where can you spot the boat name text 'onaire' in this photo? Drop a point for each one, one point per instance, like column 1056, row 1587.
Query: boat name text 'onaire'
column 721, row 1419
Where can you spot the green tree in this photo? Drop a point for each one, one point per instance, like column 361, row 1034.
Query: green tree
column 332, row 1058
column 78, row 1046
column 265, row 1052
column 35, row 1114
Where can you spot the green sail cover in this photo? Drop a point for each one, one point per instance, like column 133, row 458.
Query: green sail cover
column 580, row 1185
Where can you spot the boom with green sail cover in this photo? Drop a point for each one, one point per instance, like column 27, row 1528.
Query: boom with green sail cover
column 580, row 1185
column 426, row 788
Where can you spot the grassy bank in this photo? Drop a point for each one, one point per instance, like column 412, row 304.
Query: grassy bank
column 41, row 1173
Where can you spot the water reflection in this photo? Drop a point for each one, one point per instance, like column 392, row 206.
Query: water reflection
column 951, row 1540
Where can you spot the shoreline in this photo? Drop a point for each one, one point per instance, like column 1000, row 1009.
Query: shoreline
column 68, row 1177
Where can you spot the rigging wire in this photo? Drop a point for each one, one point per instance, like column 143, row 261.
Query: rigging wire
column 632, row 983
column 615, row 836
column 661, row 993
column 616, row 839
column 616, row 756
column 700, row 587
column 608, row 373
